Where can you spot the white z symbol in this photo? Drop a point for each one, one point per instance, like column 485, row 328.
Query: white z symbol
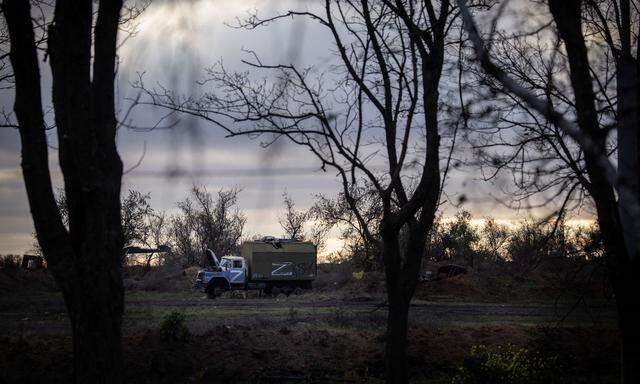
column 279, row 267
column 235, row 275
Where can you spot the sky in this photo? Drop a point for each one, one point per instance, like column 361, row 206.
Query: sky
column 173, row 44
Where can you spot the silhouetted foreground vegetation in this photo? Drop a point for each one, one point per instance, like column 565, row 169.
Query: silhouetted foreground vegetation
column 332, row 335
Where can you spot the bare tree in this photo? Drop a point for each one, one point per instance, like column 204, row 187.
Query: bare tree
column 182, row 235
column 302, row 224
column 220, row 222
column 157, row 236
column 612, row 188
column 205, row 222
column 495, row 238
column 458, row 238
column 136, row 213
column 337, row 213
column 374, row 116
column 85, row 259
column 293, row 221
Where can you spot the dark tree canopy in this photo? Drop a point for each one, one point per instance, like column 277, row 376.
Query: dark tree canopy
column 573, row 98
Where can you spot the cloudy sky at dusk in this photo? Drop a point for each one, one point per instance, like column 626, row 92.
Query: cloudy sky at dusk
column 174, row 43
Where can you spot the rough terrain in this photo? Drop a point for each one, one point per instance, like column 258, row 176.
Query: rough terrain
column 333, row 334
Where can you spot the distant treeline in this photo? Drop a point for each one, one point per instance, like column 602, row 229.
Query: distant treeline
column 215, row 221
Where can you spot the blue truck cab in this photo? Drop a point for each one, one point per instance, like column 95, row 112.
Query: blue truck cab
column 232, row 269
column 230, row 273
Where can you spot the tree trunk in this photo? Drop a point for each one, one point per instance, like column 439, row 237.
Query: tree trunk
column 85, row 257
column 94, row 296
column 401, row 270
column 626, row 289
column 623, row 271
column 396, row 340
column 627, row 132
column 629, row 318
column 397, row 320
column 96, row 321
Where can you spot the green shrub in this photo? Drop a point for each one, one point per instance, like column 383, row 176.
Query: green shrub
column 339, row 317
column 173, row 328
column 292, row 315
column 506, row 365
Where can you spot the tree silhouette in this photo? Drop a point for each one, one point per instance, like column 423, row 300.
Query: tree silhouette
column 85, row 259
column 613, row 188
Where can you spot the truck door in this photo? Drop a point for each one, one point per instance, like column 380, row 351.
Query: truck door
column 237, row 275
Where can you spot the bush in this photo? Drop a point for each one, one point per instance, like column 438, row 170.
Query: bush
column 507, row 365
column 10, row 261
column 455, row 240
column 173, row 328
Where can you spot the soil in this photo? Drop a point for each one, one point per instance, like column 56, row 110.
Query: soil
column 334, row 333
column 293, row 353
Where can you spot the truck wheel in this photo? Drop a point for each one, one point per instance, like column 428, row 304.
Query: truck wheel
column 211, row 291
column 298, row 291
column 275, row 291
column 288, row 290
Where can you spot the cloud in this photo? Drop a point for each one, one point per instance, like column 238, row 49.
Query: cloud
column 9, row 175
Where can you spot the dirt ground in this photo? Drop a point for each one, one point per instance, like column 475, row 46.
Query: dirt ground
column 335, row 333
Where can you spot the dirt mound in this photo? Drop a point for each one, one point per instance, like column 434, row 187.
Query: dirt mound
column 479, row 287
column 366, row 282
column 163, row 279
column 497, row 285
column 456, row 287
column 332, row 276
column 16, row 280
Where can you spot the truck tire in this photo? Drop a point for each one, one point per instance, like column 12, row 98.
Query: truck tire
column 287, row 290
column 211, row 290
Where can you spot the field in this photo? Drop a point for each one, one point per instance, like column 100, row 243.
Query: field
column 333, row 334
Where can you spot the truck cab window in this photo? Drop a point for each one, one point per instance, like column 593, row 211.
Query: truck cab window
column 237, row 263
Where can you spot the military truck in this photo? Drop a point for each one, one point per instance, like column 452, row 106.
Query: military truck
column 269, row 265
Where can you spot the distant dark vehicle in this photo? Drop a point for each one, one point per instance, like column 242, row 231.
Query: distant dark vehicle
column 425, row 276
column 133, row 250
column 450, row 270
column 32, row 262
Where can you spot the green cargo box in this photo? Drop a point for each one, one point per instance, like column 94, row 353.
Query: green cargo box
column 280, row 261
